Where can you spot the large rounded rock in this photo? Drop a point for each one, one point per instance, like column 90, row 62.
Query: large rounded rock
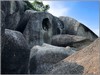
column 13, row 11
column 73, row 27
column 88, row 57
column 39, row 27
column 15, row 54
column 42, row 58
column 64, row 40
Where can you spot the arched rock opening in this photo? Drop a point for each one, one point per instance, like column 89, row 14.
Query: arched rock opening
column 46, row 24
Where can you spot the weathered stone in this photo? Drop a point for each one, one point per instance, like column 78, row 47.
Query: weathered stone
column 2, row 29
column 85, row 61
column 64, row 40
column 13, row 11
column 73, row 27
column 39, row 27
column 15, row 54
column 88, row 57
column 71, row 48
column 58, row 26
column 2, row 22
column 67, row 68
column 42, row 58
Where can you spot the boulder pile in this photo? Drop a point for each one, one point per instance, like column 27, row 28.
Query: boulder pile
column 34, row 42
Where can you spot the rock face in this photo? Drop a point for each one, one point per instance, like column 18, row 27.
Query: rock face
column 39, row 27
column 13, row 11
column 2, row 22
column 2, row 31
column 45, row 56
column 73, row 27
column 22, row 29
column 88, row 58
column 85, row 61
column 67, row 68
column 15, row 54
column 64, row 40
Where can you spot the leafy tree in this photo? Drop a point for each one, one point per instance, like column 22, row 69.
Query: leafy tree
column 37, row 6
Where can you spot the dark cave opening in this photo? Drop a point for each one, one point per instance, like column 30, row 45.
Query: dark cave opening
column 46, row 24
column 58, row 31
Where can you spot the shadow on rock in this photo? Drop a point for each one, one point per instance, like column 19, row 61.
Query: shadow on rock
column 67, row 68
column 15, row 54
column 43, row 58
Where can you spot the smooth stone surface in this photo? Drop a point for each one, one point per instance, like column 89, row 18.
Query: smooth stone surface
column 45, row 56
column 15, row 54
column 88, row 57
column 73, row 27
column 67, row 68
column 64, row 40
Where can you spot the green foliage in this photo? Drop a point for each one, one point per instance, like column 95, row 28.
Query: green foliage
column 37, row 6
column 29, row 5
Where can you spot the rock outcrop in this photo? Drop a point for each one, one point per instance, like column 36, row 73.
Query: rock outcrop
column 28, row 38
column 64, row 40
column 73, row 27
column 67, row 68
column 45, row 56
column 88, row 58
column 15, row 54
column 39, row 27
column 13, row 11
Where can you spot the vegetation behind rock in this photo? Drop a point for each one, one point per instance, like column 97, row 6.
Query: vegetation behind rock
column 37, row 6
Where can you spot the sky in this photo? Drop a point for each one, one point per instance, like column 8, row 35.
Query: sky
column 86, row 12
